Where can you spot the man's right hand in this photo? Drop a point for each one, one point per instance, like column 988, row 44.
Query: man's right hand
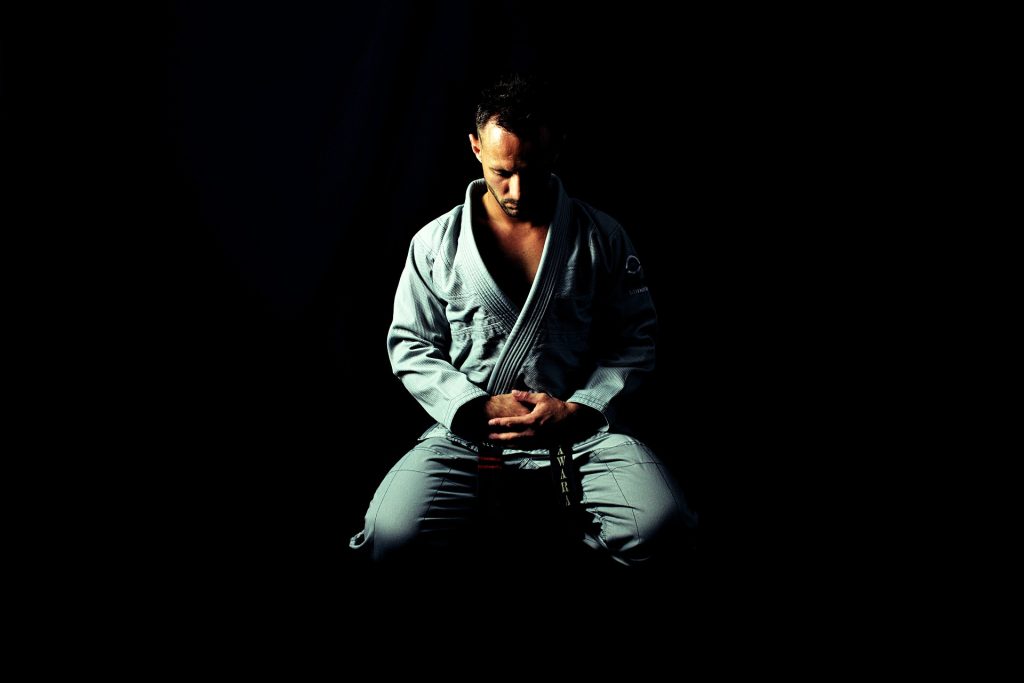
column 471, row 420
column 503, row 405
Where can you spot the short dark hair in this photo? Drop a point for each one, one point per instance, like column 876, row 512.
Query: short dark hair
column 522, row 105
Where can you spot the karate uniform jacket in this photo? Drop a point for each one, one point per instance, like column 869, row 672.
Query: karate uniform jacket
column 585, row 333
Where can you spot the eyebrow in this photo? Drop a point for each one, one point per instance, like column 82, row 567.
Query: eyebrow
column 507, row 170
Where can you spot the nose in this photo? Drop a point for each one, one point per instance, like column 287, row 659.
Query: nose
column 513, row 187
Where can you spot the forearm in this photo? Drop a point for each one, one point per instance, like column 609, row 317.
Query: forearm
column 419, row 341
column 426, row 373
column 439, row 388
column 625, row 327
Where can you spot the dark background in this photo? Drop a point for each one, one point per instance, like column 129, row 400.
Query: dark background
column 245, row 181
column 303, row 148
column 308, row 147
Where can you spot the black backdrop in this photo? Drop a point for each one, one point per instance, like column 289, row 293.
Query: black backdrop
column 265, row 168
column 300, row 151
column 217, row 203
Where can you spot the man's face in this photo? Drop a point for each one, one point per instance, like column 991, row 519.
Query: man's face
column 516, row 170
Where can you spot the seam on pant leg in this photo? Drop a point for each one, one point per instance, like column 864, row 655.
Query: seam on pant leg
column 439, row 454
column 373, row 526
column 444, row 480
column 394, row 472
column 592, row 477
column 671, row 489
column 632, row 510
column 591, row 509
column 629, row 442
column 394, row 475
column 616, row 469
column 613, row 470
column 640, row 444
column 428, row 474
column 602, row 534
column 630, row 464
column 680, row 506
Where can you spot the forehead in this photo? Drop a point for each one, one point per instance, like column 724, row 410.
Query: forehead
column 499, row 143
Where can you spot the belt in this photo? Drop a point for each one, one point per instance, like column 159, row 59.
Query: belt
column 563, row 474
column 565, row 482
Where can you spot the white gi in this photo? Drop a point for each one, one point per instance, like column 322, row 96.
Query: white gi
column 585, row 334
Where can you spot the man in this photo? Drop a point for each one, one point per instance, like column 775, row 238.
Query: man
column 521, row 320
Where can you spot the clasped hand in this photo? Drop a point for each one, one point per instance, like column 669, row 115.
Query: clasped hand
column 521, row 415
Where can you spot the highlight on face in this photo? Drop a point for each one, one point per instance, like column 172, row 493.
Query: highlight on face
column 518, row 128
column 516, row 168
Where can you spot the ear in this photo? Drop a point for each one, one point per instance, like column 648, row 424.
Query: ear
column 474, row 143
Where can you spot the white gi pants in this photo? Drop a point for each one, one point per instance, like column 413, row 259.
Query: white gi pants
column 429, row 497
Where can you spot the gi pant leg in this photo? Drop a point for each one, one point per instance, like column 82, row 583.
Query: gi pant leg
column 428, row 499
column 639, row 508
column 425, row 501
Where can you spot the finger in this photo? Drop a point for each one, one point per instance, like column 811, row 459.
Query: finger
column 511, row 421
column 527, row 396
column 510, row 436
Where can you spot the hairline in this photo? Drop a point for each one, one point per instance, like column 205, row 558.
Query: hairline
column 533, row 136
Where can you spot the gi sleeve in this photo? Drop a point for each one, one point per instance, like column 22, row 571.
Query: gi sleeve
column 625, row 329
column 419, row 339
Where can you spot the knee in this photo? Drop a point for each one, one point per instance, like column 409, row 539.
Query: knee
column 394, row 532
column 660, row 526
column 399, row 519
column 391, row 536
column 392, row 521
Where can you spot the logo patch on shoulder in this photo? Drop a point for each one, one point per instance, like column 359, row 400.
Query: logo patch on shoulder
column 634, row 275
column 633, row 266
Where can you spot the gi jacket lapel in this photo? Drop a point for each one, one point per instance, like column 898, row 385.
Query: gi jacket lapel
column 525, row 324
